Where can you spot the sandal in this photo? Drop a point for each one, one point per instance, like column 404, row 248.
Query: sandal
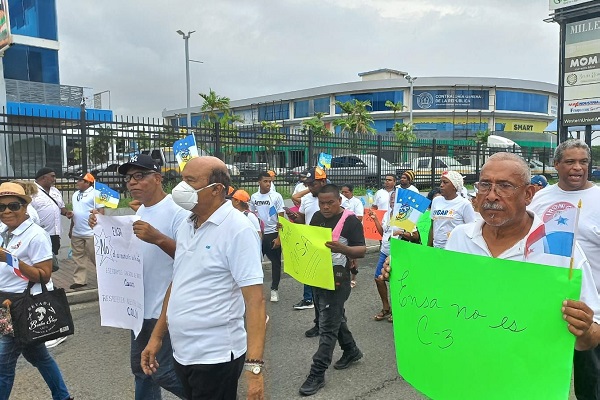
column 390, row 319
column 352, row 284
column 383, row 314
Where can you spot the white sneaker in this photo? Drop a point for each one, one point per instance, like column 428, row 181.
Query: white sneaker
column 53, row 343
column 274, row 296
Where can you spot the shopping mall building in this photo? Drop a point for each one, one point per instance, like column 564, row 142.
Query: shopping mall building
column 445, row 108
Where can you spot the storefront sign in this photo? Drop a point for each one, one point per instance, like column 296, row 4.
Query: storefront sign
column 451, row 99
column 582, row 73
column 556, row 4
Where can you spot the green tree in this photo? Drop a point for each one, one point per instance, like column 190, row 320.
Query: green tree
column 269, row 138
column 395, row 107
column 357, row 121
column 316, row 125
column 404, row 133
column 482, row 136
column 100, row 145
column 213, row 105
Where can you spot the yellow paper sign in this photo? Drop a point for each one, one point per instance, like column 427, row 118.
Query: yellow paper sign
column 306, row 258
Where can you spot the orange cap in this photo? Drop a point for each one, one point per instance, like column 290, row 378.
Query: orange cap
column 241, row 195
column 271, row 173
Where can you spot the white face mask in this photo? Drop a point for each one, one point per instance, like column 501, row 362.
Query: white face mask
column 185, row 196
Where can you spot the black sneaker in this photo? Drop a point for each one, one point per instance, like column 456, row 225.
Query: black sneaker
column 348, row 358
column 304, row 304
column 311, row 385
column 312, row 332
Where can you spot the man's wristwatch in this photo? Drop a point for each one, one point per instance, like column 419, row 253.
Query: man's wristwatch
column 254, row 366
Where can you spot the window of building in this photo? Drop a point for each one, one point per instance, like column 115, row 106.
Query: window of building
column 377, row 99
column 321, row 105
column 521, row 101
column 33, row 64
column 35, row 18
column 274, row 112
column 301, row 109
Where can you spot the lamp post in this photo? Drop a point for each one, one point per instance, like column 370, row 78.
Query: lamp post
column 187, row 74
column 411, row 80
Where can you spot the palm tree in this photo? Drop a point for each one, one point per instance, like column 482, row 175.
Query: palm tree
column 213, row 104
column 316, row 125
column 395, row 107
column 269, row 138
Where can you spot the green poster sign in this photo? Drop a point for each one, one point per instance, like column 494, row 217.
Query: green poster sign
column 472, row 327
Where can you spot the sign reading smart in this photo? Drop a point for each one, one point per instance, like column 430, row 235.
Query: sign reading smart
column 582, row 73
column 451, row 99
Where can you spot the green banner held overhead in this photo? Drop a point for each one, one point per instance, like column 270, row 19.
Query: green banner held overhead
column 472, row 327
column 306, row 258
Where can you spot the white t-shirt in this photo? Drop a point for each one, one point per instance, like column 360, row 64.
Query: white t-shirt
column 467, row 238
column 387, row 233
column 382, row 199
column 83, row 203
column 206, row 308
column 33, row 214
column 30, row 244
column 355, row 205
column 49, row 212
column 300, row 186
column 166, row 217
column 267, row 206
column 588, row 232
column 446, row 215
column 309, row 205
column 411, row 188
column 253, row 220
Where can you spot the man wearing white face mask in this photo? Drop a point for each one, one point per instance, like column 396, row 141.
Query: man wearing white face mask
column 214, row 309
column 159, row 220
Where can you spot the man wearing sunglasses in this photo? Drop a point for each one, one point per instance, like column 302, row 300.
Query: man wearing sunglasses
column 159, row 220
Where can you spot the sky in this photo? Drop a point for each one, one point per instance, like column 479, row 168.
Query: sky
column 261, row 47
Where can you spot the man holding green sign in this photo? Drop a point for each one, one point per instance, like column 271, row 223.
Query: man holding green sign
column 348, row 243
column 505, row 340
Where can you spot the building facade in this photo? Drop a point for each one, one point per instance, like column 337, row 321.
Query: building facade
column 445, row 108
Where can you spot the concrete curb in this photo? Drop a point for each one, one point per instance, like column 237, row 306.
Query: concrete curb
column 90, row 295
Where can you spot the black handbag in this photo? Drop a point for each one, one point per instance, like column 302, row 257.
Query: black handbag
column 41, row 317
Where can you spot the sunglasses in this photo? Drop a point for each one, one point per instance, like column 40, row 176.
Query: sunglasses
column 14, row 206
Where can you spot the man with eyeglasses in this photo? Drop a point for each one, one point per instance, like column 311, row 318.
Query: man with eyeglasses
column 571, row 160
column 159, row 221
column 503, row 194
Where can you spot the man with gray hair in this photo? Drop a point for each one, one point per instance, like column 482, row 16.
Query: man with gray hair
column 571, row 160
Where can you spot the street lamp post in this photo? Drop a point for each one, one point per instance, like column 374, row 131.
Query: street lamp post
column 411, row 80
column 187, row 74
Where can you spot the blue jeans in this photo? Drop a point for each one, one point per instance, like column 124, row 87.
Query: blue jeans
column 147, row 387
column 332, row 325
column 308, row 293
column 38, row 356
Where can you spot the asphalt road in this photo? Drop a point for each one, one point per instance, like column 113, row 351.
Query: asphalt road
column 95, row 361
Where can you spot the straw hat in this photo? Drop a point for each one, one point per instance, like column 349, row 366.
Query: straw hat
column 14, row 189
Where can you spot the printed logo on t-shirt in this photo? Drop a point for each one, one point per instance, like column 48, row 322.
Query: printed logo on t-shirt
column 16, row 245
column 443, row 213
column 262, row 202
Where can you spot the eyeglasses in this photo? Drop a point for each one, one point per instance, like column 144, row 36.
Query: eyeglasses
column 503, row 189
column 14, row 206
column 138, row 176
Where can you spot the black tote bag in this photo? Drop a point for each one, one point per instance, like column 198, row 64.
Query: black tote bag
column 42, row 317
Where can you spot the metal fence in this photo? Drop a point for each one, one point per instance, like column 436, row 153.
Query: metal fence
column 28, row 143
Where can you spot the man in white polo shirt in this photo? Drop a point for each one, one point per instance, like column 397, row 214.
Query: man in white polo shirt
column 217, row 280
column 80, row 233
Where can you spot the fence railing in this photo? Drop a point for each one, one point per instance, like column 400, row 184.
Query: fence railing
column 29, row 143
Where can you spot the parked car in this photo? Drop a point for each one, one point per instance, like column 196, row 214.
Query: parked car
column 359, row 169
column 596, row 174
column 423, row 167
column 539, row 168
column 248, row 171
column 109, row 175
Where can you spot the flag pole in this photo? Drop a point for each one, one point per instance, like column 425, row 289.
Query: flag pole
column 574, row 240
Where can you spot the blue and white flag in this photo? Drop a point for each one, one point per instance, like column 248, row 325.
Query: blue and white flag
column 185, row 149
column 13, row 262
column 408, row 207
column 105, row 195
column 324, row 160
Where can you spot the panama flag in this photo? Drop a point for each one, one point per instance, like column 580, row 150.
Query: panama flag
column 324, row 160
column 185, row 149
column 408, row 207
column 552, row 242
column 13, row 262
column 105, row 195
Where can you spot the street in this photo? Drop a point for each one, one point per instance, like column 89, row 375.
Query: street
column 95, row 361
